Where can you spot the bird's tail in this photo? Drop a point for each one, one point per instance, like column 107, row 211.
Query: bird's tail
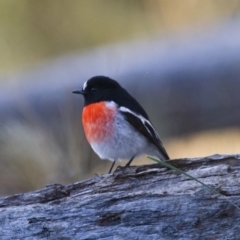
column 162, row 154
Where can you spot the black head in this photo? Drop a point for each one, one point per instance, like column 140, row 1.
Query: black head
column 98, row 89
column 102, row 88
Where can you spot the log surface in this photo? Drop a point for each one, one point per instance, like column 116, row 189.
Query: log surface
column 141, row 202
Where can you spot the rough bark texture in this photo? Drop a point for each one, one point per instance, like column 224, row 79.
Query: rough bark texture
column 141, row 202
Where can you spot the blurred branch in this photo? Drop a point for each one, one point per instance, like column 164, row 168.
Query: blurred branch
column 140, row 201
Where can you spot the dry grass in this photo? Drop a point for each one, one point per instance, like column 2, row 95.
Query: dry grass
column 206, row 143
column 32, row 156
column 195, row 145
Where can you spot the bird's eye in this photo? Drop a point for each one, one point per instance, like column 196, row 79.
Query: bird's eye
column 92, row 90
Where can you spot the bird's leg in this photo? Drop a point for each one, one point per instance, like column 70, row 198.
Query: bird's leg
column 111, row 167
column 126, row 166
column 129, row 162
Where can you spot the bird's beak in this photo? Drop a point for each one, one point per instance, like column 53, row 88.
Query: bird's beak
column 79, row 91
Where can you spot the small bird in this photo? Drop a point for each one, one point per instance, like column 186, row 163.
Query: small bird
column 115, row 124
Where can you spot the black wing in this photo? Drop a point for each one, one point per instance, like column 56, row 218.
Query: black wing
column 145, row 127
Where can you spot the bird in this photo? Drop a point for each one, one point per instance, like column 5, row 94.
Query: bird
column 115, row 124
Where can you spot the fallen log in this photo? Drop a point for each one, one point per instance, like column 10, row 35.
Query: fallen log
column 140, row 202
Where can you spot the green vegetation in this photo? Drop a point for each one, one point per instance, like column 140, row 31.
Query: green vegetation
column 32, row 30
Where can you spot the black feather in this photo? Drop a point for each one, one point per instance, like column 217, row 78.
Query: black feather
column 107, row 89
column 147, row 130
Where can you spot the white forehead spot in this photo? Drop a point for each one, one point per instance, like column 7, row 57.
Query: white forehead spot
column 84, row 85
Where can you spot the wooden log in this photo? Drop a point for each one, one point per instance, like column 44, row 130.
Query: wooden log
column 140, row 202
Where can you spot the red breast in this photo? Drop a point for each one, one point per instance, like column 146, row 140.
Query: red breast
column 97, row 119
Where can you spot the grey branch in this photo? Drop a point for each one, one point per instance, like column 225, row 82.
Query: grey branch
column 141, row 202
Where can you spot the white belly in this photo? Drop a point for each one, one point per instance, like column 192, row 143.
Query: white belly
column 125, row 143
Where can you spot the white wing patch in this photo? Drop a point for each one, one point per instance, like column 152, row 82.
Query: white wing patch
column 85, row 86
column 111, row 104
column 144, row 121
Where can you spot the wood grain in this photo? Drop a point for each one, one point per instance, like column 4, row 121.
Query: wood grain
column 141, row 202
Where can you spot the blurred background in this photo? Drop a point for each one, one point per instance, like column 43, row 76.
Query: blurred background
column 180, row 59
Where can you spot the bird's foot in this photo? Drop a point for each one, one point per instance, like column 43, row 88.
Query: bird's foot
column 121, row 169
column 97, row 177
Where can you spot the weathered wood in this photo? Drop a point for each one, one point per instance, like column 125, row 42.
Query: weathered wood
column 141, row 202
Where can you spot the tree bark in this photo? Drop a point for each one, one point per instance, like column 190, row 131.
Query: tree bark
column 140, row 202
